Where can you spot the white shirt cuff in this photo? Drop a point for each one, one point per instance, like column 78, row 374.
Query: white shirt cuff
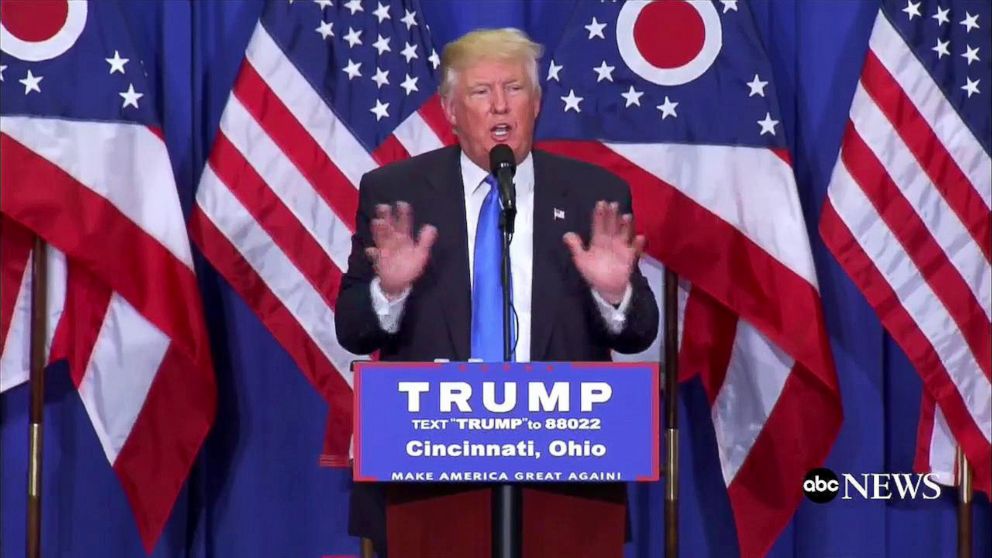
column 389, row 312
column 615, row 318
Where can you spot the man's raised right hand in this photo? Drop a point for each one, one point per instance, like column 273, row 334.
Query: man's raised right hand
column 398, row 260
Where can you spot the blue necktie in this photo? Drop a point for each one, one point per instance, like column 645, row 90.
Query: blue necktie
column 487, row 289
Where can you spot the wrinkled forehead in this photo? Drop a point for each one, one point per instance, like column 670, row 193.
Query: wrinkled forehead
column 493, row 70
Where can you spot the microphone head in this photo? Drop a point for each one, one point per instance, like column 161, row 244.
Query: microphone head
column 501, row 158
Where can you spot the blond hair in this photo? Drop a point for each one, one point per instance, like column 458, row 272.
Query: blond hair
column 507, row 44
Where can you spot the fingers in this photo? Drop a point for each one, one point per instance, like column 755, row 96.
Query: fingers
column 404, row 219
column 612, row 219
column 392, row 224
column 574, row 243
column 625, row 229
column 598, row 220
column 381, row 227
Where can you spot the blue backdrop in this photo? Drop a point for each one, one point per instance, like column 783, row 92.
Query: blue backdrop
column 257, row 490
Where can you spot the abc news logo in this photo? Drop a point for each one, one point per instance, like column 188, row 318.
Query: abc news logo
column 822, row 485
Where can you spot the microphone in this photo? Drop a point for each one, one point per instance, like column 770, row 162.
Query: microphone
column 503, row 165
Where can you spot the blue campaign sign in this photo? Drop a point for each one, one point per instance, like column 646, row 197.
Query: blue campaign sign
column 506, row 422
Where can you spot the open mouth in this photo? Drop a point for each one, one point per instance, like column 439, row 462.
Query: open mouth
column 500, row 132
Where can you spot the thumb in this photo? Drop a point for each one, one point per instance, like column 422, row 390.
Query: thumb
column 574, row 244
column 426, row 237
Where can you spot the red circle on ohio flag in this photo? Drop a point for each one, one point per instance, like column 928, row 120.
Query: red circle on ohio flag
column 669, row 42
column 34, row 21
column 669, row 33
column 35, row 30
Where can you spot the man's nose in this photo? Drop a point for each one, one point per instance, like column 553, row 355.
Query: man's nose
column 499, row 104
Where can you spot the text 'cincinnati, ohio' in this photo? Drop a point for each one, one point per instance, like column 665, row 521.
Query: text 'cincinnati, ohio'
column 556, row 448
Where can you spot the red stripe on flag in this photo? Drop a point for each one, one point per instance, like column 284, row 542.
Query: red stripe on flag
column 707, row 342
column 297, row 144
column 936, row 268
column 278, row 221
column 947, row 177
column 767, row 489
column 915, row 344
column 95, row 234
column 16, row 243
column 924, row 434
column 432, row 113
column 389, row 151
column 86, row 302
column 160, row 450
column 280, row 322
column 722, row 261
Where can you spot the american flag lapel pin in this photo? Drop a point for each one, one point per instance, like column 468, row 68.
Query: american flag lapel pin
column 559, row 214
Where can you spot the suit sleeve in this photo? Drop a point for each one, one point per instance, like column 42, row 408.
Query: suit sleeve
column 355, row 320
column 641, row 326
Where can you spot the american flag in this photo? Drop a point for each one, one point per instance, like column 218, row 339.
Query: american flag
column 676, row 98
column 908, row 213
column 327, row 91
column 84, row 166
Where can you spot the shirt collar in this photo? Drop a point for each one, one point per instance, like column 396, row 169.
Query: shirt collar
column 473, row 175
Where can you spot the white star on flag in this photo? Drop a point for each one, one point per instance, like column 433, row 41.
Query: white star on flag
column 667, row 109
column 353, row 37
column 354, row 6
column 757, row 86
column 31, row 82
column 410, row 84
column 382, row 12
column 435, row 61
column 595, row 29
column 912, row 9
column 382, row 44
column 571, row 101
column 117, row 63
column 408, row 19
column 409, row 52
column 941, row 48
column 130, row 97
column 971, row 54
column 604, row 72
column 729, row 5
column 768, row 125
column 322, row 3
column 381, row 77
column 941, row 16
column 380, row 110
column 325, row 29
column 970, row 21
column 352, row 69
column 553, row 70
column 2, row 68
column 971, row 87
column 632, row 96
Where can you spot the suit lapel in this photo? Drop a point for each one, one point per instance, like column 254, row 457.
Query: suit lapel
column 450, row 254
column 551, row 222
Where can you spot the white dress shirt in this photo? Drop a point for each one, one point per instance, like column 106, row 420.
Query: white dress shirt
column 521, row 257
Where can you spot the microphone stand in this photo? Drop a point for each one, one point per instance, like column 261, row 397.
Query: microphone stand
column 507, row 498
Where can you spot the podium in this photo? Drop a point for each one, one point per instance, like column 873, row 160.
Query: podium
column 436, row 438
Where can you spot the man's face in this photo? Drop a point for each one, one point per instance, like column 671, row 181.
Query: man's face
column 493, row 102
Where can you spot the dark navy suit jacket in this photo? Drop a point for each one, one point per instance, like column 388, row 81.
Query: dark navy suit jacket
column 566, row 324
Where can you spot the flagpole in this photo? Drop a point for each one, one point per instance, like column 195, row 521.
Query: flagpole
column 39, row 283
column 671, row 383
column 964, row 504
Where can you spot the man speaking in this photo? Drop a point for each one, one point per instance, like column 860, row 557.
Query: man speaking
column 424, row 283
